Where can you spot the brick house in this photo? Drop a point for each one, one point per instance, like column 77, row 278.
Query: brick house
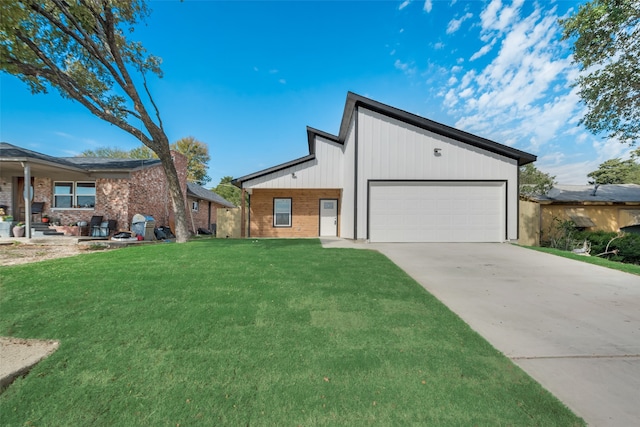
column 390, row 176
column 74, row 189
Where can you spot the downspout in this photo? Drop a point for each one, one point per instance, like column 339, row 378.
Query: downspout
column 209, row 218
column 249, row 214
column 27, row 199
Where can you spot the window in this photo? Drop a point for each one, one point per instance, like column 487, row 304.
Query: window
column 195, row 206
column 74, row 195
column 282, row 212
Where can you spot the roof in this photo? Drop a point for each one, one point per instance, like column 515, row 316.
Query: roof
column 354, row 101
column 195, row 190
column 12, row 153
column 605, row 193
column 104, row 163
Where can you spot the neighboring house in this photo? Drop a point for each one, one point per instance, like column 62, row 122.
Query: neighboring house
column 202, row 205
column 390, row 176
column 607, row 207
column 74, row 189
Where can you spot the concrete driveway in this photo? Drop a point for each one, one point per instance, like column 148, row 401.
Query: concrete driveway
column 572, row 326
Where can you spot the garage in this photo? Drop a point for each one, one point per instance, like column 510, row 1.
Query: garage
column 437, row 211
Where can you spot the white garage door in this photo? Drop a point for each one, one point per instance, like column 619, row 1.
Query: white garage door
column 437, row 211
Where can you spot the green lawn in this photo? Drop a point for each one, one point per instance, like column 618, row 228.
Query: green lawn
column 241, row 332
column 603, row 262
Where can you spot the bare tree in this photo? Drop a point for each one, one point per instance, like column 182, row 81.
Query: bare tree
column 80, row 48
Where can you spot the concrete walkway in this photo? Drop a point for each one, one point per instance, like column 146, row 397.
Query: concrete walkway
column 572, row 326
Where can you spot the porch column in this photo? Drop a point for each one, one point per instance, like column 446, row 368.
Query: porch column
column 242, row 214
column 27, row 199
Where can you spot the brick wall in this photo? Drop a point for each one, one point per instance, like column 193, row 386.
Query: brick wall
column 201, row 218
column 149, row 192
column 305, row 212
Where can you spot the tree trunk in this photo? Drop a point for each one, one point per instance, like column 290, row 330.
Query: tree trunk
column 175, row 190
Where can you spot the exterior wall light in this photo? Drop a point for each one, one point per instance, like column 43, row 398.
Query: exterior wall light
column 437, row 152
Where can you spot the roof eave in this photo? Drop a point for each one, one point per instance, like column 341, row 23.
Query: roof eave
column 239, row 181
column 354, row 100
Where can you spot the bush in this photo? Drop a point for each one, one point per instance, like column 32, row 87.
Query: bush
column 564, row 235
column 628, row 246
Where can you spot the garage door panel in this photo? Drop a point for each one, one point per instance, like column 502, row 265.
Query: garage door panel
column 437, row 211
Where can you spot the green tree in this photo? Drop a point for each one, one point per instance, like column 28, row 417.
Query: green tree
column 109, row 152
column 197, row 154
column 81, row 48
column 616, row 171
column 535, row 182
column 229, row 191
column 606, row 47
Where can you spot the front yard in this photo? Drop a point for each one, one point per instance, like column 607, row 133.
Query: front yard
column 252, row 332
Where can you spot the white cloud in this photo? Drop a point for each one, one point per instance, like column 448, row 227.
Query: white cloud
column 438, row 46
column 282, row 81
column 515, row 97
column 483, row 51
column 404, row 4
column 428, row 5
column 454, row 24
column 405, row 67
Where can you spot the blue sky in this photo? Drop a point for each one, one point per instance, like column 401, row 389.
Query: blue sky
column 247, row 78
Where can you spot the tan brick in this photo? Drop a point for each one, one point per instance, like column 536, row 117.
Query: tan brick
column 305, row 212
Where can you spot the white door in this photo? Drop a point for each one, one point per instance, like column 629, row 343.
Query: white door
column 328, row 217
column 449, row 211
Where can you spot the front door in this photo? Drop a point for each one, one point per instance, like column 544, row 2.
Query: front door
column 328, row 217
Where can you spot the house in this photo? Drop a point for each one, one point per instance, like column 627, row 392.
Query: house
column 390, row 176
column 607, row 207
column 202, row 206
column 74, row 189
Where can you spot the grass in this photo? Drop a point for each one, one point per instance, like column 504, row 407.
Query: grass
column 240, row 332
column 603, row 262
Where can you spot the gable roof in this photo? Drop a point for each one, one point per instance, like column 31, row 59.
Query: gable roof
column 605, row 193
column 354, row 101
column 199, row 192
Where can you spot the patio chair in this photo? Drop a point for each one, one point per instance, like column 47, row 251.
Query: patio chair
column 105, row 228
column 36, row 209
column 94, row 225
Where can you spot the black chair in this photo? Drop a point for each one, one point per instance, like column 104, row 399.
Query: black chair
column 36, row 209
column 94, row 225
column 105, row 228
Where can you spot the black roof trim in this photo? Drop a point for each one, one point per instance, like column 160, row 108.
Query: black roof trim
column 238, row 181
column 354, row 100
column 311, row 138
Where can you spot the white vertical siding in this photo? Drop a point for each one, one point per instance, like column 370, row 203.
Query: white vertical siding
column 346, row 204
column 391, row 149
column 325, row 171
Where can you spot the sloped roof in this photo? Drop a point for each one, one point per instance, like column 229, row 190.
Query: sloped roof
column 12, row 153
column 104, row 163
column 606, row 193
column 200, row 192
column 354, row 100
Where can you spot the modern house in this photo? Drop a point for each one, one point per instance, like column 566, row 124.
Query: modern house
column 74, row 189
column 390, row 176
column 607, row 207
